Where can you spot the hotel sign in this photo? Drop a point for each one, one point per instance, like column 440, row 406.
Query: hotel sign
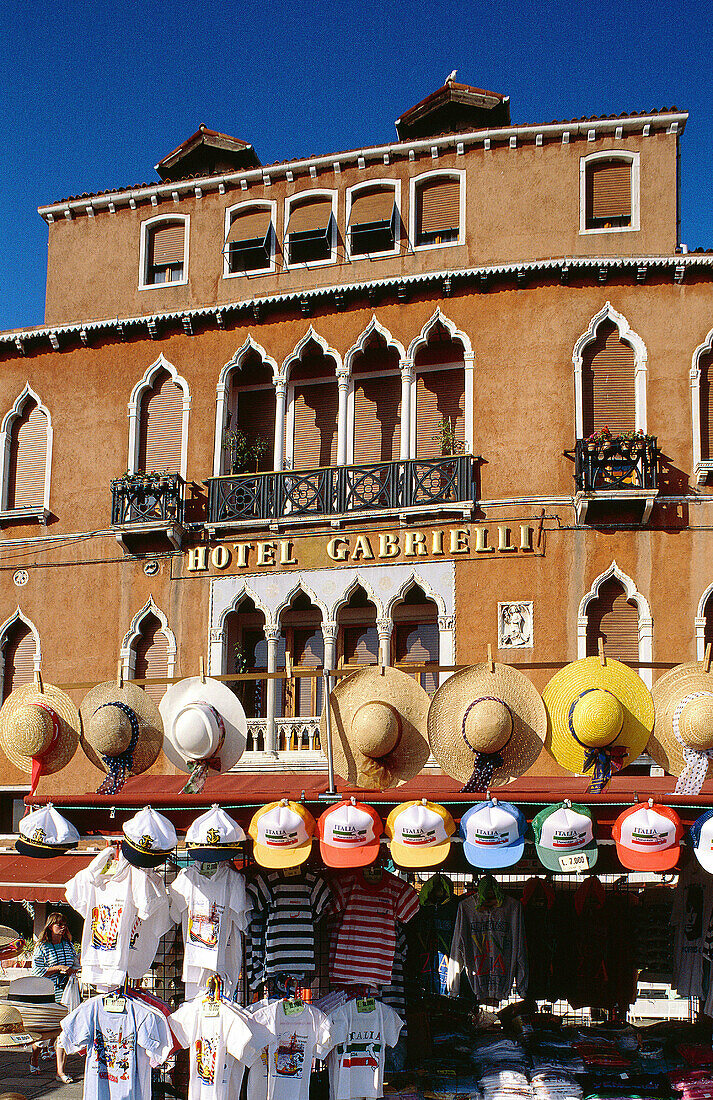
column 472, row 541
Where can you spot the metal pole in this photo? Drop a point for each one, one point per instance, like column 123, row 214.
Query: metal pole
column 328, row 731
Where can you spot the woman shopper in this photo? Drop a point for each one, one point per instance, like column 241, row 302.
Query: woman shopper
column 54, row 958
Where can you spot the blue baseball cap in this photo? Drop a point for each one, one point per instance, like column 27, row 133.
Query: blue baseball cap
column 493, row 834
column 701, row 834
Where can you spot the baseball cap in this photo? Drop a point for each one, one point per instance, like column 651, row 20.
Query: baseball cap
column 701, row 834
column 493, row 834
column 214, row 836
column 349, row 834
column 149, row 838
column 282, row 834
column 648, row 837
column 562, row 832
column 45, row 833
column 419, row 833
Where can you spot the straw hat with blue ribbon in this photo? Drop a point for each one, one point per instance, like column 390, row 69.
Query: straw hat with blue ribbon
column 122, row 731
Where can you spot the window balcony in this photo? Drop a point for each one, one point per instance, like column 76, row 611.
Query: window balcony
column 414, row 486
column 144, row 506
column 616, row 480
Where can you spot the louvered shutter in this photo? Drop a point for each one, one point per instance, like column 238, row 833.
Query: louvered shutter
column 311, row 216
column 370, row 207
column 28, row 459
column 377, row 419
column 417, row 643
column 617, row 620
column 252, row 225
column 361, row 645
column 608, row 388
column 610, row 184
column 152, row 658
column 161, row 428
column 310, row 655
column 440, row 395
column 706, row 399
column 256, row 418
column 19, row 659
column 315, row 438
column 167, row 244
column 438, row 207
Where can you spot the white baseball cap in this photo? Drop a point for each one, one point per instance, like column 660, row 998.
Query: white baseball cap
column 493, row 834
column 349, row 834
column 282, row 834
column 420, row 833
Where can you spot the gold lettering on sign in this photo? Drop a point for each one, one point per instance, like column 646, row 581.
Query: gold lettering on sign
column 241, row 553
column 504, row 539
column 525, row 537
column 388, row 546
column 338, row 549
column 415, row 544
column 437, row 542
column 266, row 553
column 481, row 541
column 362, row 549
column 459, row 540
column 196, row 559
column 286, row 553
column 220, row 557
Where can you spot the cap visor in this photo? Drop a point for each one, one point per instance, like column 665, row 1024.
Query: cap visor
column 360, row 855
column 138, row 858
column 555, row 861
column 41, row 851
column 501, row 855
column 648, row 861
column 218, row 854
column 282, row 857
column 411, row 855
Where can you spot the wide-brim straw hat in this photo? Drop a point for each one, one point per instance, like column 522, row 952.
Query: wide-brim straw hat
column 683, row 698
column 39, row 722
column 378, row 724
column 189, row 710
column 609, row 707
column 12, row 1028
column 107, row 725
column 11, row 944
column 487, row 717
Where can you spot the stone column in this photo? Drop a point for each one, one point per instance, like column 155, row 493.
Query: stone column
column 329, row 633
column 406, row 407
column 446, row 645
column 272, row 636
column 280, row 399
column 384, row 628
column 342, row 418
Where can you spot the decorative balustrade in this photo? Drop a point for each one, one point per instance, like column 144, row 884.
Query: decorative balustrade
column 152, row 500
column 616, row 463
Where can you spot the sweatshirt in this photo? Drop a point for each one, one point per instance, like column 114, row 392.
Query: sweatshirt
column 489, row 946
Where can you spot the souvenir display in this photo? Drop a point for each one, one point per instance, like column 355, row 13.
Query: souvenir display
column 701, row 839
column 149, row 838
column 34, row 998
column 349, row 834
column 45, row 833
column 299, row 1033
column 419, row 833
column 39, row 730
column 648, row 837
column 493, row 834
column 489, row 945
column 214, row 837
column 289, row 906
column 564, row 838
column 205, row 728
column 356, row 1063
column 691, row 920
column 13, row 1032
column 122, row 732
column 682, row 740
column 282, row 834
column 367, row 906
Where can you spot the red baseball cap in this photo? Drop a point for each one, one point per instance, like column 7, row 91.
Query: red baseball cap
column 648, row 837
column 349, row 834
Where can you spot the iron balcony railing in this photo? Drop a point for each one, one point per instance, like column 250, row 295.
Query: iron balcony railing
column 149, row 499
column 338, row 490
column 616, row 463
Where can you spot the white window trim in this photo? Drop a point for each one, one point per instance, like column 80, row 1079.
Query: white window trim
column 295, row 200
column 371, row 185
column 42, row 513
column 285, row 378
column 146, row 228
column 608, row 313
column 443, row 173
column 230, row 213
column 6, row 626
column 134, row 412
column 700, row 623
column 646, row 624
column 701, row 469
column 633, row 159
column 127, row 653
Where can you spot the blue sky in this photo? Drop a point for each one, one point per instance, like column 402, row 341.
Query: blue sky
column 93, row 95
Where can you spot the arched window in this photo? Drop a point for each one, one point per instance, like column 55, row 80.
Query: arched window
column 440, row 395
column 358, row 638
column 161, row 426
column 19, row 649
column 373, row 219
column 302, row 638
column 246, row 651
column 164, row 251
column 436, row 210
column 26, row 452
column 311, row 229
column 616, row 619
column 249, row 438
column 150, row 653
column 608, row 389
column 415, row 637
column 377, row 402
column 314, row 404
column 249, row 239
column 706, row 406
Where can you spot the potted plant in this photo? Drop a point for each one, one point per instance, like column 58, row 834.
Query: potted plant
column 447, row 439
column 244, row 453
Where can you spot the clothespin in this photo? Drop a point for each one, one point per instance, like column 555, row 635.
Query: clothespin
column 38, row 680
column 600, row 648
column 651, row 803
column 119, row 675
column 201, row 669
column 491, row 663
column 288, row 664
column 382, row 670
column 707, row 659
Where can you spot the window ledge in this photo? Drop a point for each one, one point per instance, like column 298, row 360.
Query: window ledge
column 41, row 514
column 438, row 244
column 130, row 535
column 611, row 229
column 643, row 498
column 163, row 286
column 702, row 471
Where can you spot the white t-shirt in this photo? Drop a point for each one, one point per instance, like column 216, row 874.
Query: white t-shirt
column 356, row 1064
column 121, row 1047
column 213, row 912
column 219, row 1035
column 110, row 905
column 296, row 1039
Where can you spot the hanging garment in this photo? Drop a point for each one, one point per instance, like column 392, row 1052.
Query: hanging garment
column 489, row 946
column 298, row 1033
column 356, row 1063
column 431, row 933
column 542, row 915
column 690, row 917
column 219, row 1035
column 291, row 906
column 364, row 941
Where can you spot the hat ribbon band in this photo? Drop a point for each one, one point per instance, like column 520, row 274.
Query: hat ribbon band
column 604, row 759
column 11, row 1029
column 37, row 768
column 199, row 768
column 696, row 761
column 119, row 767
column 485, row 763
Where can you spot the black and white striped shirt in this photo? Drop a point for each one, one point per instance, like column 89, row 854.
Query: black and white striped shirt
column 291, row 906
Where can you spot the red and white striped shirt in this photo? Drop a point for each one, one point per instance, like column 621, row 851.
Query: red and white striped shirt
column 365, row 941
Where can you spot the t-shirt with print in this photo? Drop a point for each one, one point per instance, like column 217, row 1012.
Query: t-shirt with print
column 292, row 905
column 145, row 935
column 690, row 917
column 356, row 1064
column 217, row 1034
column 110, row 905
column 121, row 1047
column 299, row 1033
column 364, row 941
column 213, row 912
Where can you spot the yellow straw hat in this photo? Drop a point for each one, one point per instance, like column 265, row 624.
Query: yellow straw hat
column 486, row 725
column 682, row 741
column 39, row 729
column 600, row 716
column 378, row 720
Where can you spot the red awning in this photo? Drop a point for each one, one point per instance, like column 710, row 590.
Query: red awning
column 23, row 878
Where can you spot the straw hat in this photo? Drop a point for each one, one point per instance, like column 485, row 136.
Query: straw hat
column 205, row 728
column 11, row 944
column 682, row 741
column 378, row 722
column 600, row 717
column 39, row 729
column 486, row 725
column 122, row 731
column 33, row 997
column 12, row 1030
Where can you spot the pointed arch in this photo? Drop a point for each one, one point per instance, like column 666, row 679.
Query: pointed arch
column 296, row 354
column 645, row 624
column 418, row 344
column 704, row 623
column 437, row 317
column 307, row 591
column 134, row 410
column 25, row 398
column 376, row 398
column 628, row 336
column 374, row 327
column 222, row 392
column 316, row 425
column 16, row 621
column 412, row 580
column 701, row 401
column 127, row 652
column 343, row 600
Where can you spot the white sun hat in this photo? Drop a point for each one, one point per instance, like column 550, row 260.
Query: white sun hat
column 205, row 728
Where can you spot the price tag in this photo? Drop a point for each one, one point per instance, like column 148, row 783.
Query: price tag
column 291, row 872
column 576, row 862
column 211, row 1008
column 115, row 1004
column 21, row 1039
column 292, row 1007
column 365, row 1004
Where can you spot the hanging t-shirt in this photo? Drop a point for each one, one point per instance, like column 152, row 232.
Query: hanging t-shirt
column 365, row 939
column 489, row 946
column 218, row 1034
column 110, row 905
column 356, row 1064
column 213, row 912
column 299, row 1033
column 431, row 933
column 292, row 905
column 121, row 1047
column 690, row 917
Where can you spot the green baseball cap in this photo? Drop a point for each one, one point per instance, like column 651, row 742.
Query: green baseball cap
column 564, row 838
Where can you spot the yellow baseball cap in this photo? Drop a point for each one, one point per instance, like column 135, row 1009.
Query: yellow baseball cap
column 282, row 834
column 420, row 833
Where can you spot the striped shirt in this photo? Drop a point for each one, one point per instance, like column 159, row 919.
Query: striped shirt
column 292, row 905
column 365, row 941
column 54, row 954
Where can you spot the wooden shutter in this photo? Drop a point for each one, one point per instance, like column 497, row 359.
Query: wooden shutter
column 28, row 459
column 440, row 395
column 417, row 643
column 438, row 207
column 610, row 185
column 315, row 438
column 617, row 620
column 708, row 629
column 706, row 399
column 361, row 645
column 161, row 428
column 167, row 244
column 151, row 657
column 308, row 653
column 19, row 658
column 377, row 419
column 311, row 216
column 608, row 387
column 256, row 418
column 369, row 207
column 251, row 225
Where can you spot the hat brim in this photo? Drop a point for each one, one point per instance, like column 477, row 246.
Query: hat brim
column 137, row 857
column 6, row 1040
column 503, row 855
column 64, row 748
column 150, row 724
column 413, row 855
column 218, row 853
column 551, row 859
column 665, row 860
column 449, row 705
column 41, row 851
column 277, row 858
column 217, row 695
column 567, row 685
column 668, row 691
column 361, row 855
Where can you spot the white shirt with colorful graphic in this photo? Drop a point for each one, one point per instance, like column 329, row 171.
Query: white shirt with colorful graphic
column 299, row 1033
column 218, row 1035
column 356, row 1065
column 213, row 912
